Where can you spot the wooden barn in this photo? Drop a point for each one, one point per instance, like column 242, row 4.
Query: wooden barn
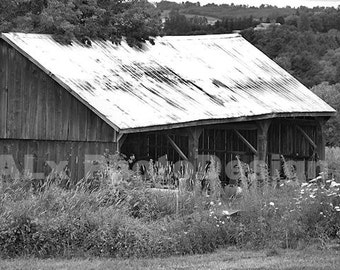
column 182, row 98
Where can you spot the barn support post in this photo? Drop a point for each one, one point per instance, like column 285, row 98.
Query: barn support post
column 262, row 140
column 320, row 139
column 261, row 159
column 194, row 135
column 120, row 140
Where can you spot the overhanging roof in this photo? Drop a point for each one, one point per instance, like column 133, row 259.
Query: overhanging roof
column 178, row 81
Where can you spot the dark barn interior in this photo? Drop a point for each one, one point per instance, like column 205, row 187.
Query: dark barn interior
column 298, row 139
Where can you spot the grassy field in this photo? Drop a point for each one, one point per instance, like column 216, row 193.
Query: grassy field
column 220, row 12
column 308, row 259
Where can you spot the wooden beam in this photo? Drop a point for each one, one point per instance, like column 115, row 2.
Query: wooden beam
column 262, row 140
column 120, row 140
column 194, row 135
column 176, row 147
column 320, row 138
column 201, row 123
column 243, row 139
column 309, row 139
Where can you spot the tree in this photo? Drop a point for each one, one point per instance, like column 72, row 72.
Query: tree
column 176, row 24
column 330, row 94
column 303, row 22
column 137, row 20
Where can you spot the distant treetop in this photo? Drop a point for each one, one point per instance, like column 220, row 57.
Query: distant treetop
column 137, row 20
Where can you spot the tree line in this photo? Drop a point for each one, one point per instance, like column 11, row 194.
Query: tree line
column 137, row 20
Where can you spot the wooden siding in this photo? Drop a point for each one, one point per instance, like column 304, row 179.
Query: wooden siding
column 34, row 106
column 146, row 146
column 55, row 151
column 284, row 138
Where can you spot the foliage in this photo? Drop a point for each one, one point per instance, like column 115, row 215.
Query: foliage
column 333, row 162
column 137, row 20
column 123, row 217
column 330, row 94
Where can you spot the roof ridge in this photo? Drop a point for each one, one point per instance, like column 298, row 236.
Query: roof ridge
column 189, row 37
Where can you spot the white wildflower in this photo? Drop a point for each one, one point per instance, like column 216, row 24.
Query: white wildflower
column 334, row 184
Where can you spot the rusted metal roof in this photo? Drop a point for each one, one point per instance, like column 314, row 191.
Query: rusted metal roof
column 177, row 81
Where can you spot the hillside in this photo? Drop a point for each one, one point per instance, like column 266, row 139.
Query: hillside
column 214, row 11
column 221, row 11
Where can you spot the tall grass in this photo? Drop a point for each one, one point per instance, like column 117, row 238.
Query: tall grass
column 121, row 216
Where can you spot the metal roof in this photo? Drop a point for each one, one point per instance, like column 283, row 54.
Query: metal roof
column 177, row 81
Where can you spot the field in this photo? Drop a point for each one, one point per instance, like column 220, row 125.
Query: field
column 221, row 12
column 121, row 216
column 308, row 259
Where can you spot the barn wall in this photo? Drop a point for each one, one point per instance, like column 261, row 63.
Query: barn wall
column 55, row 151
column 286, row 138
column 34, row 106
column 155, row 145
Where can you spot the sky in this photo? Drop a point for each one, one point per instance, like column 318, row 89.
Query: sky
column 279, row 3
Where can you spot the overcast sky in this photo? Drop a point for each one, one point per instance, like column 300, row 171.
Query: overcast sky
column 279, row 3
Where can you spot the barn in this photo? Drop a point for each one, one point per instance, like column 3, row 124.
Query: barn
column 183, row 98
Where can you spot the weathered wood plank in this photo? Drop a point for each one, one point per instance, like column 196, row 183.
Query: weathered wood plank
column 11, row 96
column 177, row 148
column 262, row 140
column 58, row 124
column 306, row 136
column 247, row 143
column 320, row 138
column 3, row 90
column 194, row 134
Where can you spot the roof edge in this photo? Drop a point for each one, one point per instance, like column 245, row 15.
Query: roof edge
column 226, row 121
column 60, row 82
column 200, row 37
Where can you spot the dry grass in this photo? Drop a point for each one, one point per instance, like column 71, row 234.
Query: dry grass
column 308, row 259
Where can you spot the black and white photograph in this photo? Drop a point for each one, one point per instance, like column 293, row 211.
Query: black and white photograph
column 158, row 134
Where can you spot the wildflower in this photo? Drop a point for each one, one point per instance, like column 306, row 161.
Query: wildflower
column 211, row 203
column 337, row 208
column 271, row 203
column 334, row 184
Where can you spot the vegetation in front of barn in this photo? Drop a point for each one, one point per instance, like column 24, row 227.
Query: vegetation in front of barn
column 121, row 216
